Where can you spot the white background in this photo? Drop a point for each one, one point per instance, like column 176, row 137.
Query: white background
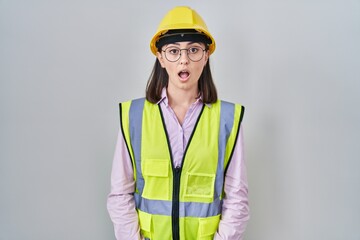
column 65, row 65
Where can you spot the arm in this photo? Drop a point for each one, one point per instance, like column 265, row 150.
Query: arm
column 235, row 210
column 120, row 202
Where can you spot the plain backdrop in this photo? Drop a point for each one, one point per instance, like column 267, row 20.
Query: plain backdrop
column 65, row 66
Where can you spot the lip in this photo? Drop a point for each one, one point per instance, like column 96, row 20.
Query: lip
column 184, row 79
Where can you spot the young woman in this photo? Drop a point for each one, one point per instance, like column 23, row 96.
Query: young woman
column 178, row 170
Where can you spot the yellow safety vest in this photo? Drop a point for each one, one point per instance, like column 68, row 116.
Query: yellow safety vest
column 179, row 203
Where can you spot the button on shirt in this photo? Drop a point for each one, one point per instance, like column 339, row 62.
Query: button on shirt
column 121, row 204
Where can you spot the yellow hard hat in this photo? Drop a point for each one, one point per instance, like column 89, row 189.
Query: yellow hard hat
column 182, row 18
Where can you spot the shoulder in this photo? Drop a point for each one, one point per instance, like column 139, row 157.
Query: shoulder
column 236, row 109
column 229, row 104
column 137, row 105
column 129, row 102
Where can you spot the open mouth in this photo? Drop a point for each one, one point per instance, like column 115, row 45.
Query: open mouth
column 184, row 74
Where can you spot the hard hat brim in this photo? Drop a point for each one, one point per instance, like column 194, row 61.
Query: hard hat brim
column 156, row 37
column 185, row 35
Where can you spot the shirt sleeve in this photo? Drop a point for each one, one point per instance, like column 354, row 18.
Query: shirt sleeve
column 120, row 201
column 235, row 209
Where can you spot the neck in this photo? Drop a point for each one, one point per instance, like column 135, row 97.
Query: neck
column 181, row 97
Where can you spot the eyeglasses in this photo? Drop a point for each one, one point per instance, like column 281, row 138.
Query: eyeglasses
column 173, row 54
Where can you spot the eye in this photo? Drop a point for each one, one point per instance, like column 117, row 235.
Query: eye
column 194, row 50
column 173, row 51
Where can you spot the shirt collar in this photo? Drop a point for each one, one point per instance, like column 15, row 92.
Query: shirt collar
column 165, row 99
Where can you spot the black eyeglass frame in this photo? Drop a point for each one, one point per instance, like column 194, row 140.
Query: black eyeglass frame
column 187, row 53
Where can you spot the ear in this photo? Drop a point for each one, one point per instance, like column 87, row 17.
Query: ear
column 206, row 57
column 161, row 59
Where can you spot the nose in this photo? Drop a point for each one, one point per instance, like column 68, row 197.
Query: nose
column 184, row 59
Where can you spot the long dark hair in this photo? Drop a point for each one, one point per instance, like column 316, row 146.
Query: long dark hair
column 159, row 79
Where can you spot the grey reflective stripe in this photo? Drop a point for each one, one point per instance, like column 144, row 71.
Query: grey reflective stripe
column 187, row 209
column 135, row 125
column 226, row 124
column 196, row 209
column 159, row 207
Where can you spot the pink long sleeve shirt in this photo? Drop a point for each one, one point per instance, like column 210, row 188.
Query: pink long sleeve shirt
column 121, row 203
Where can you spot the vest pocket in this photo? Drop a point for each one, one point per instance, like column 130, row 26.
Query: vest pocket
column 200, row 185
column 156, row 179
column 145, row 224
column 208, row 227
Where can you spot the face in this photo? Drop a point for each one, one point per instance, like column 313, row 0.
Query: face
column 184, row 73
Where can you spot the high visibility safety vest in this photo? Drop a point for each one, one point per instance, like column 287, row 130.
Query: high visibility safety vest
column 182, row 203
